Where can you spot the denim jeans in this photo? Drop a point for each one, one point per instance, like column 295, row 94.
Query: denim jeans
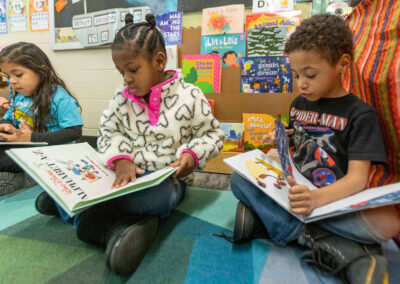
column 283, row 227
column 159, row 200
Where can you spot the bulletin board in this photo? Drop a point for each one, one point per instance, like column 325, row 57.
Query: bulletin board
column 230, row 103
column 61, row 33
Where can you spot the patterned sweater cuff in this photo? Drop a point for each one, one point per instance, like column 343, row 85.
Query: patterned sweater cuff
column 193, row 154
column 109, row 163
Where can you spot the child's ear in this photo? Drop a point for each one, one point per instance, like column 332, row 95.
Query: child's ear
column 160, row 60
column 344, row 63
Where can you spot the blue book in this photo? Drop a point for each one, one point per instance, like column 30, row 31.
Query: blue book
column 265, row 74
column 231, row 47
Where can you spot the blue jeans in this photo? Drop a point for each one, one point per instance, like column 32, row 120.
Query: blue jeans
column 283, row 227
column 159, row 200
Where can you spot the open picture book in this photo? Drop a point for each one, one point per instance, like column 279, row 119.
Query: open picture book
column 74, row 176
column 270, row 176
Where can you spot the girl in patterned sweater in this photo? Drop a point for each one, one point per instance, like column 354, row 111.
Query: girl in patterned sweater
column 154, row 120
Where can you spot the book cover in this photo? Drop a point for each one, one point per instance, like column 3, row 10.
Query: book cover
column 74, row 176
column 288, row 19
column 233, row 137
column 203, row 71
column 256, row 125
column 266, row 41
column 267, row 175
column 230, row 46
column 170, row 25
column 265, row 74
column 223, row 19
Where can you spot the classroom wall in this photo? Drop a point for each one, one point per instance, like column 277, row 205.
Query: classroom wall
column 89, row 73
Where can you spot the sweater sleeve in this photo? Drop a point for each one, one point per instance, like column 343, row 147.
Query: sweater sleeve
column 207, row 136
column 112, row 139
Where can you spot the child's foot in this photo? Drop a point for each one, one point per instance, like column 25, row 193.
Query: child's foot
column 127, row 244
column 45, row 205
column 11, row 182
column 352, row 261
column 248, row 226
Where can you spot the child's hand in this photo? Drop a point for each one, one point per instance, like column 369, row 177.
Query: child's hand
column 270, row 138
column 24, row 133
column 7, row 132
column 125, row 172
column 301, row 198
column 4, row 103
column 186, row 164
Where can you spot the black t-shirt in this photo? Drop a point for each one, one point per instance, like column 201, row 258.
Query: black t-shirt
column 330, row 132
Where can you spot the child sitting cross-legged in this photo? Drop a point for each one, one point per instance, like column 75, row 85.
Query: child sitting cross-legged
column 154, row 120
column 340, row 149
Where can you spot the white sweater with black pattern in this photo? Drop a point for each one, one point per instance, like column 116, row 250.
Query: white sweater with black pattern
column 185, row 122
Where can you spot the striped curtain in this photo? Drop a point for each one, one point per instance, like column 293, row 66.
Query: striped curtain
column 375, row 76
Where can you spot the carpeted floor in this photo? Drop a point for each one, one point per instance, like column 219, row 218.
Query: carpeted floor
column 41, row 249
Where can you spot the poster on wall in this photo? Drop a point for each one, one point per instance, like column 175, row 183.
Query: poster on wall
column 38, row 15
column 86, row 23
column 3, row 17
column 17, row 15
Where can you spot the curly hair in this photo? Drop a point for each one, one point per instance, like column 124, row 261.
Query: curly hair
column 327, row 34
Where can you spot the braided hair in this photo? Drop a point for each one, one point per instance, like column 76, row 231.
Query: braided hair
column 140, row 37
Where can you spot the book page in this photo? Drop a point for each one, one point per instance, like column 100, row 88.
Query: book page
column 264, row 172
column 70, row 172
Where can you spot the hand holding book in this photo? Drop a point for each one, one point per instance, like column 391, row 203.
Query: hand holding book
column 301, row 198
column 125, row 172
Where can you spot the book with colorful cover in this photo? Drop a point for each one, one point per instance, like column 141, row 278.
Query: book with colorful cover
column 265, row 74
column 74, row 176
column 223, row 19
column 233, row 137
column 231, row 47
column 203, row 71
column 288, row 19
column 268, row 176
column 256, row 125
column 170, row 25
column 266, row 41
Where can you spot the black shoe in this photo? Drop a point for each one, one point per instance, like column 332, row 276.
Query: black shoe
column 128, row 244
column 371, row 268
column 333, row 254
column 248, row 226
column 45, row 205
column 95, row 222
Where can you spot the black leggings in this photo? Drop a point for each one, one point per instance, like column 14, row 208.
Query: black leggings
column 6, row 163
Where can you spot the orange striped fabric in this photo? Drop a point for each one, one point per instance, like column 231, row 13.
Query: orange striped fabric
column 375, row 76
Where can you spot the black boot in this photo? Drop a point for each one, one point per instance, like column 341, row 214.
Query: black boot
column 351, row 261
column 127, row 244
column 248, row 226
column 95, row 222
column 45, row 205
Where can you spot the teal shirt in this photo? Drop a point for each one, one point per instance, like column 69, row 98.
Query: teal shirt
column 64, row 110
